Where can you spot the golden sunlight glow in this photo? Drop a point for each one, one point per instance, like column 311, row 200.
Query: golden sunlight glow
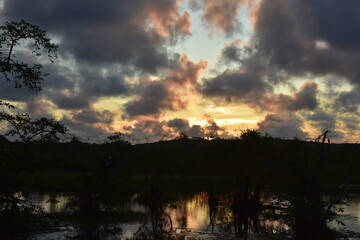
column 320, row 44
column 113, row 104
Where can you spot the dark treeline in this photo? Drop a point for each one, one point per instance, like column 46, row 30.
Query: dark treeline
column 221, row 157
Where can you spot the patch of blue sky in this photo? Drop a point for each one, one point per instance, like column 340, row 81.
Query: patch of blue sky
column 204, row 44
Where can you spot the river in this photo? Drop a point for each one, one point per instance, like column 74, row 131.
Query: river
column 190, row 218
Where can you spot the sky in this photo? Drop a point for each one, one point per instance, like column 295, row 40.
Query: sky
column 155, row 68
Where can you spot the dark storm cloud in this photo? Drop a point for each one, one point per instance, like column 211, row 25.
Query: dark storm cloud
column 350, row 101
column 213, row 130
column 9, row 93
column 231, row 54
column 249, row 87
column 178, row 123
column 321, row 116
column 107, row 31
column 155, row 130
column 90, row 123
column 196, row 131
column 7, row 88
column 77, row 89
column 352, row 123
column 63, row 101
column 183, row 126
column 61, row 77
column 153, row 99
column 321, row 119
column 88, row 132
column 95, row 84
column 305, row 98
column 148, row 131
column 236, row 86
column 169, row 93
column 38, row 108
column 91, row 116
column 318, row 37
column 288, row 126
column 335, row 21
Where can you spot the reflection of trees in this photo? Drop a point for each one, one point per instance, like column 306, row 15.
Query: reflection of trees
column 213, row 202
column 159, row 226
column 182, row 218
column 249, row 180
column 246, row 207
column 95, row 231
column 302, row 186
column 96, row 201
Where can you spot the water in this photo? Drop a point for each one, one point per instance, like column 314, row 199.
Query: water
column 190, row 218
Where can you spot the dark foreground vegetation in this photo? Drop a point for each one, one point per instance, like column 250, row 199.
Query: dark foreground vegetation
column 102, row 177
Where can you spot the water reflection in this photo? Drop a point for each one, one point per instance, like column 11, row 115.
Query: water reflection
column 50, row 203
column 192, row 213
column 200, row 214
column 188, row 217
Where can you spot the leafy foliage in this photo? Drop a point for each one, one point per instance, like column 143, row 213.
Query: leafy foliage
column 16, row 215
column 28, row 130
column 21, row 73
column 119, row 138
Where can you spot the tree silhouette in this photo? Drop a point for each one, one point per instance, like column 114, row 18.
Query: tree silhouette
column 12, row 34
column 28, row 130
column 16, row 216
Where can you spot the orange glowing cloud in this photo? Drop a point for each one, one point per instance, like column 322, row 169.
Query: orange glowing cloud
column 254, row 8
column 222, row 14
column 173, row 92
column 166, row 19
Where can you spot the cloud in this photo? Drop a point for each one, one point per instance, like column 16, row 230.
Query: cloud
column 222, row 15
column 305, row 98
column 9, row 93
column 186, row 72
column 147, row 130
column 91, row 116
column 231, row 54
column 351, row 123
column 317, row 37
column 152, row 130
column 283, row 126
column 126, row 32
column 152, row 98
column 88, row 132
column 90, row 124
column 68, row 102
column 321, row 119
column 236, row 86
column 292, row 39
column 350, row 101
column 170, row 93
column 249, row 86
column 213, row 130
column 183, row 126
column 126, row 49
column 78, row 88
column 178, row 123
column 38, row 108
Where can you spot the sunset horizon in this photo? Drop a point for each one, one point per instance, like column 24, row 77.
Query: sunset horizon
column 155, row 69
